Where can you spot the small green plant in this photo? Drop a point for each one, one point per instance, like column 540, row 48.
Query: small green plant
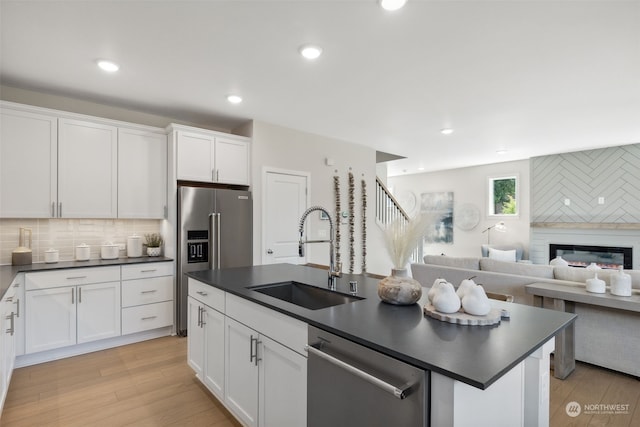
column 154, row 240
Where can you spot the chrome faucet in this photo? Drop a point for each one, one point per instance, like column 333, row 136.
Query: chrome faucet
column 334, row 270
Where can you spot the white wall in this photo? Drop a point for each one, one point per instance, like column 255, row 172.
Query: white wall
column 470, row 185
column 283, row 148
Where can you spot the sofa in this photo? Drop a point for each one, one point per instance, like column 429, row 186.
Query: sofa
column 603, row 337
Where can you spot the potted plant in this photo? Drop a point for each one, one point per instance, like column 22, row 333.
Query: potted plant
column 154, row 244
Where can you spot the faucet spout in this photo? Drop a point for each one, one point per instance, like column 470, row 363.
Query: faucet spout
column 334, row 270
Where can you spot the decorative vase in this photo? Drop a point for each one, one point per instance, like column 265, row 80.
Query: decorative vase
column 153, row 251
column 399, row 288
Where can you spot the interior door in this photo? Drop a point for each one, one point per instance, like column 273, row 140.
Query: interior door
column 285, row 201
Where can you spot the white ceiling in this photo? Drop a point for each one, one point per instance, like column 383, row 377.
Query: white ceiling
column 530, row 77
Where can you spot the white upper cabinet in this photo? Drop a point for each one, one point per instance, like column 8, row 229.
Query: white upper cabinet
column 232, row 161
column 28, row 164
column 142, row 174
column 208, row 156
column 87, row 169
column 196, row 157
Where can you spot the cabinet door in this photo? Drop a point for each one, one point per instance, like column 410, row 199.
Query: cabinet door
column 232, row 161
column 214, row 351
column 7, row 342
column 195, row 156
column 283, row 386
column 195, row 338
column 241, row 372
column 50, row 319
column 87, row 170
column 142, row 174
column 98, row 308
column 28, row 164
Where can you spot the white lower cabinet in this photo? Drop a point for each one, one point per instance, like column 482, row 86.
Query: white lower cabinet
column 205, row 353
column 241, row 371
column 59, row 317
column 68, row 307
column 8, row 335
column 147, row 297
column 237, row 351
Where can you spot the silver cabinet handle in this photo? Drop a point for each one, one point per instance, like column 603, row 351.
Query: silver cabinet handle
column 199, row 316
column 17, row 303
column 213, row 174
column 53, row 209
column 149, row 318
column 60, row 210
column 400, row 393
column 204, row 294
column 218, row 175
column 76, row 277
column 149, row 271
column 73, row 291
column 148, row 292
column 9, row 299
column 12, row 329
column 253, row 350
column 79, row 295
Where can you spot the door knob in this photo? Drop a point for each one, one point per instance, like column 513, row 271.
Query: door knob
column 269, row 251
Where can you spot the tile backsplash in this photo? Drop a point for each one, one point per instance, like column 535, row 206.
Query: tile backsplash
column 65, row 234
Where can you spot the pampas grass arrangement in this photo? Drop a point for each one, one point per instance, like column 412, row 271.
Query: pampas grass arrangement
column 402, row 237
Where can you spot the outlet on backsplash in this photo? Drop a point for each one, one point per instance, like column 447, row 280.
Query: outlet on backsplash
column 65, row 234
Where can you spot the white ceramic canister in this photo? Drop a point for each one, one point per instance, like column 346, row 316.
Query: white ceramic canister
column 595, row 285
column 109, row 251
column 83, row 252
column 134, row 246
column 51, row 256
column 621, row 284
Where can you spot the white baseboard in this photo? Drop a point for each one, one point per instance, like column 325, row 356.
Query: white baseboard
column 78, row 349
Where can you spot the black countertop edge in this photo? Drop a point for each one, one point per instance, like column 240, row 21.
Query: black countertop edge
column 9, row 272
column 341, row 324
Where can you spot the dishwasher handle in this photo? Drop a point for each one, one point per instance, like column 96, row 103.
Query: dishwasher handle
column 400, row 393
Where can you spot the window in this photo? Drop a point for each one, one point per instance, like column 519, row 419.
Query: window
column 503, row 195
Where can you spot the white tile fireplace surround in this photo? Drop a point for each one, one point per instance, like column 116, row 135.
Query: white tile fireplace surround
column 542, row 237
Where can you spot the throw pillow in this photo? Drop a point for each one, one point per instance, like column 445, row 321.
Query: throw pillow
column 499, row 255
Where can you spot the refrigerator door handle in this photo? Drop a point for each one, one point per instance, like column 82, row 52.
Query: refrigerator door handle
column 218, row 238
column 212, row 239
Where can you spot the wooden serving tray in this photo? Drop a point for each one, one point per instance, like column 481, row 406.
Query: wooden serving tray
column 462, row 318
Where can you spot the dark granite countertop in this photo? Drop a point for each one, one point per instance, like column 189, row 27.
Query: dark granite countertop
column 476, row 355
column 9, row 272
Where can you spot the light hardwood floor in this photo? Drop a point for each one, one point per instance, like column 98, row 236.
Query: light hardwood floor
column 150, row 384
column 143, row 384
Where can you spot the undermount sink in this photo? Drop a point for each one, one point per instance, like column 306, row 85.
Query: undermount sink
column 310, row 297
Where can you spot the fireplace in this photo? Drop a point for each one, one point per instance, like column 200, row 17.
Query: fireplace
column 603, row 256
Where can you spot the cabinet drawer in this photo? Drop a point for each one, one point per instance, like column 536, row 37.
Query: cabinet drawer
column 213, row 297
column 147, row 291
column 146, row 317
column 152, row 269
column 71, row 277
column 286, row 330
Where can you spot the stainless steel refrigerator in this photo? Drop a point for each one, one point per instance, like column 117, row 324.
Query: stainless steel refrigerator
column 214, row 231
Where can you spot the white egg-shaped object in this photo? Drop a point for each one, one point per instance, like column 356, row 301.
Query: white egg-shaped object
column 446, row 300
column 476, row 302
column 435, row 288
column 465, row 285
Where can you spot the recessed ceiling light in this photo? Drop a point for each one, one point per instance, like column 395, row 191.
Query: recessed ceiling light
column 501, row 152
column 234, row 99
column 421, row 168
column 446, row 131
column 310, row 51
column 392, row 4
column 109, row 66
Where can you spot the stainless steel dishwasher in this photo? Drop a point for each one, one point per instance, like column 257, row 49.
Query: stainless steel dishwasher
column 350, row 385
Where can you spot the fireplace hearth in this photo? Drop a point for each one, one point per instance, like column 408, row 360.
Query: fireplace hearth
column 603, row 256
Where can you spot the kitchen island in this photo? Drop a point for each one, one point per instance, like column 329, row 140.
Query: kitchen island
column 476, row 370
